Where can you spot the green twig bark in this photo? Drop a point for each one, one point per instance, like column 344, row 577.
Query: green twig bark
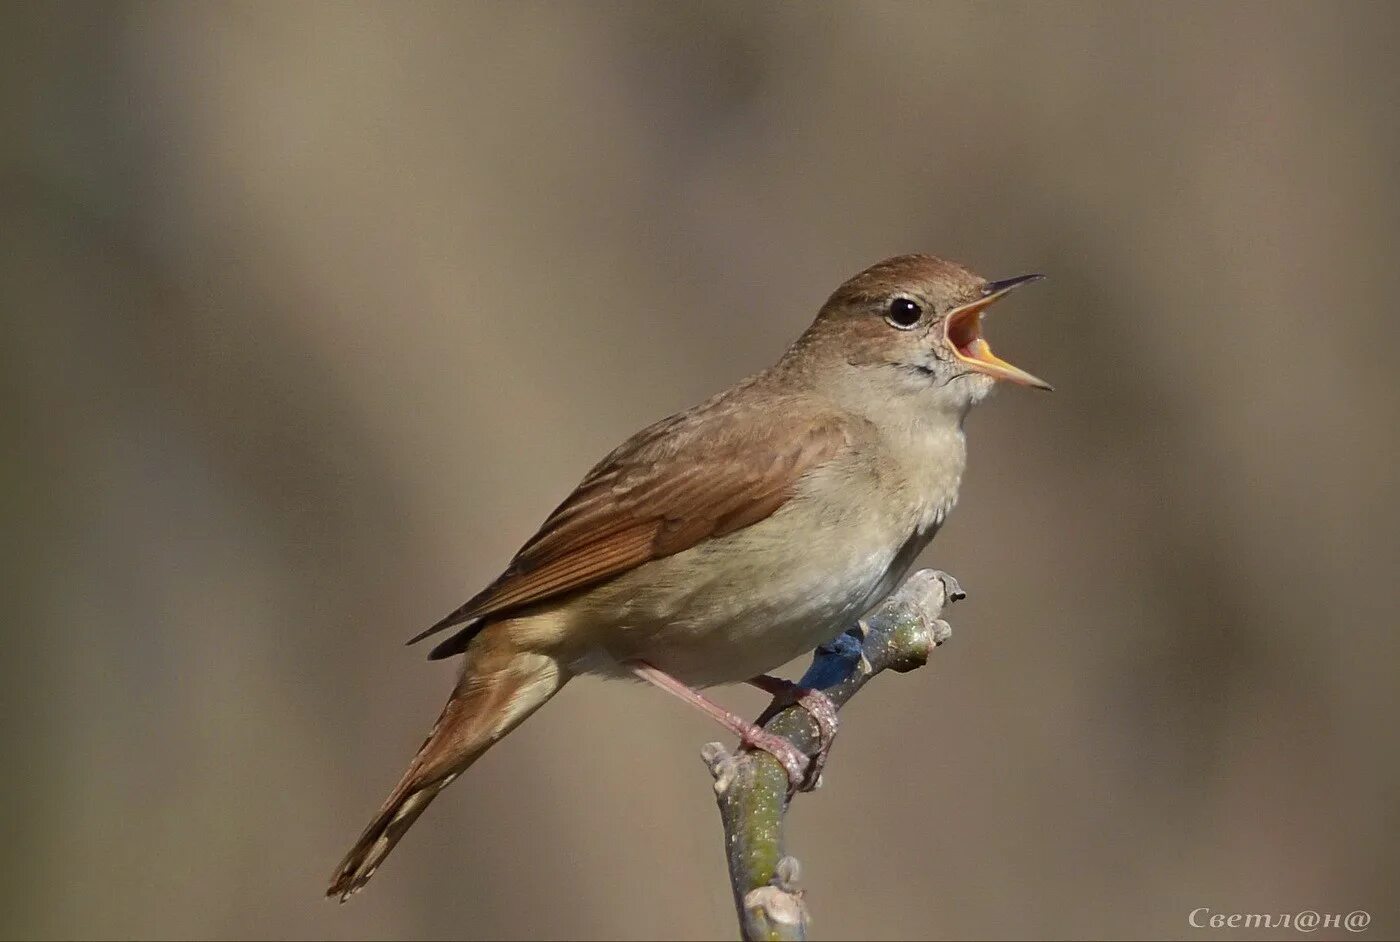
column 752, row 787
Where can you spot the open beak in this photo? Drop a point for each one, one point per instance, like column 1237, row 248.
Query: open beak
column 963, row 331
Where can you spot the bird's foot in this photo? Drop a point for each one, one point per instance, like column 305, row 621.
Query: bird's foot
column 802, row 773
column 818, row 705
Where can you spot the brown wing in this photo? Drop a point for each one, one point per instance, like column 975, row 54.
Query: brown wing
column 705, row 473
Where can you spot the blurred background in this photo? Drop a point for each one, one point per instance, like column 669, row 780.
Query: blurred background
column 313, row 311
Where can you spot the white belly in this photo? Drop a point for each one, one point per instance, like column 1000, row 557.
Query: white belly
column 745, row 604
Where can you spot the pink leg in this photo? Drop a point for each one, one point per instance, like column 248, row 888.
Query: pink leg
column 750, row 735
column 816, row 703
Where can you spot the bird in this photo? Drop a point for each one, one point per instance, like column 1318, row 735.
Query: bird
column 722, row 542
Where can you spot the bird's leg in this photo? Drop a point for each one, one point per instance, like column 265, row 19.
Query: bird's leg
column 788, row 755
column 817, row 704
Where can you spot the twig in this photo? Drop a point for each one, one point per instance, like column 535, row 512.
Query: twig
column 752, row 787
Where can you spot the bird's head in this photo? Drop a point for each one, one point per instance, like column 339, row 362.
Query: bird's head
column 914, row 322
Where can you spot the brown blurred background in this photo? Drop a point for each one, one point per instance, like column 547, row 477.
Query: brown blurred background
column 313, row 311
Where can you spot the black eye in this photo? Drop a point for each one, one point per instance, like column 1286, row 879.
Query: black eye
column 903, row 313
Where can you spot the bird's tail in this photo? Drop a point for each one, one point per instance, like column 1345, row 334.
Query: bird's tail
column 499, row 688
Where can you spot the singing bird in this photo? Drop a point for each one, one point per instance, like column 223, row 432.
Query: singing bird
column 726, row 540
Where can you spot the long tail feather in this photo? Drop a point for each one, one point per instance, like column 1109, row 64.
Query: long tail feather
column 498, row 690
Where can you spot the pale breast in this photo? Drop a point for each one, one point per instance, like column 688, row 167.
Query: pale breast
column 748, row 602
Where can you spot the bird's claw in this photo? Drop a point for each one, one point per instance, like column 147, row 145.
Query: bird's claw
column 794, row 761
column 823, row 712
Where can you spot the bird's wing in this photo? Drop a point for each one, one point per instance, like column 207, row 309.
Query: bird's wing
column 701, row 474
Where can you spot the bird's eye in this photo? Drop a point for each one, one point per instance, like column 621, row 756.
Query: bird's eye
column 903, row 313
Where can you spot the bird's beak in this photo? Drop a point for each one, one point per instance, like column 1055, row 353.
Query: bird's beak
column 963, row 331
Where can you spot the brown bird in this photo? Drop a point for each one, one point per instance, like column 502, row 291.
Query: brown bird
column 726, row 540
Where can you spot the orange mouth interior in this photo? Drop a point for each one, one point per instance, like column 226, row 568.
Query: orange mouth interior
column 963, row 331
column 964, row 334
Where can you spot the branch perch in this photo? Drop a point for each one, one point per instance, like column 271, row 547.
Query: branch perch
column 751, row 787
